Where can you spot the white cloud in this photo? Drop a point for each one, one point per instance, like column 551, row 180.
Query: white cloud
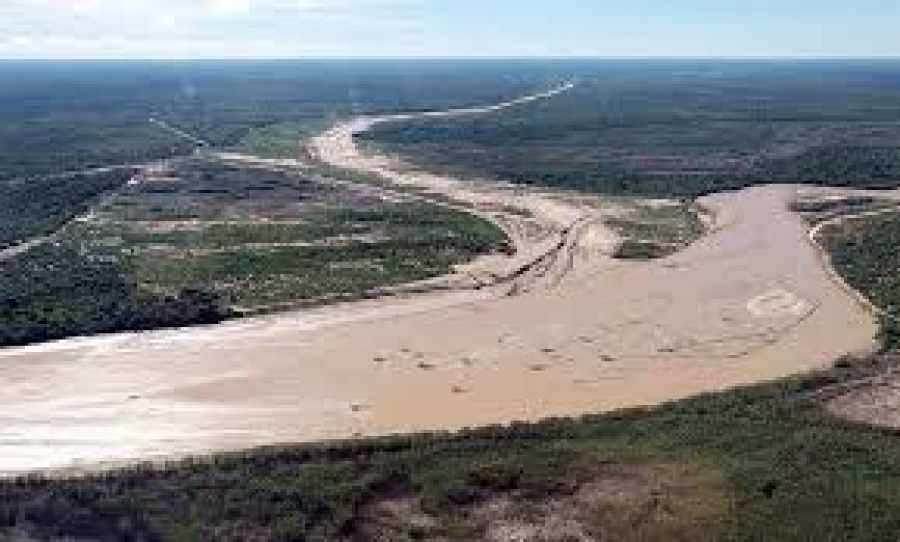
column 84, row 6
column 229, row 7
column 197, row 28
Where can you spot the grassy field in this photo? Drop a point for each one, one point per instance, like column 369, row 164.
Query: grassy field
column 202, row 241
column 679, row 128
column 765, row 462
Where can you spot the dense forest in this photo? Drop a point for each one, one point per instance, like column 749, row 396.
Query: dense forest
column 57, row 117
column 679, row 129
column 39, row 206
column 54, row 291
column 639, row 127
column 867, row 252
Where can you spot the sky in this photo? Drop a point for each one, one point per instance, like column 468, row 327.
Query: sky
column 174, row 29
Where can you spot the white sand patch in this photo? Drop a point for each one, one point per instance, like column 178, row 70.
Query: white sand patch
column 778, row 303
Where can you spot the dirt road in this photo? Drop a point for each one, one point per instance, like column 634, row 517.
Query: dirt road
column 547, row 229
column 178, row 132
column 816, row 231
column 751, row 301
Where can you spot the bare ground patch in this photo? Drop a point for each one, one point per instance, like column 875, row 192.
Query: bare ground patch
column 611, row 501
column 872, row 398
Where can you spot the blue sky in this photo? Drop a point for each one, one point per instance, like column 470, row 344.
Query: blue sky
column 361, row 28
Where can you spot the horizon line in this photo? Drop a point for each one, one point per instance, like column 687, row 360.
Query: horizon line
column 454, row 58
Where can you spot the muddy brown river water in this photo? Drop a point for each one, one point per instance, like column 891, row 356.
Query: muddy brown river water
column 748, row 302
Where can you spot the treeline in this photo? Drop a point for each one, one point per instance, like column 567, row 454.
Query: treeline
column 595, row 163
column 858, row 167
column 38, row 206
column 57, row 117
column 867, row 253
column 640, row 129
column 850, row 165
column 55, row 291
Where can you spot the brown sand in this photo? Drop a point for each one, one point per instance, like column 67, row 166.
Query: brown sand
column 749, row 302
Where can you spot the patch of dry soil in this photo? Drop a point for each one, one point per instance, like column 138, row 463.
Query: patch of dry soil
column 874, row 401
column 639, row 502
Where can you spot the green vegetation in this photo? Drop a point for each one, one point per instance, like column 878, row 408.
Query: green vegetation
column 874, row 166
column 631, row 249
column 656, row 229
column 40, row 206
column 396, row 244
column 56, row 291
column 200, row 241
column 70, row 116
column 866, row 251
column 816, row 210
column 679, row 128
column 281, row 139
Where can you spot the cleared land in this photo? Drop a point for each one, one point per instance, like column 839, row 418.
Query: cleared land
column 198, row 240
column 247, row 241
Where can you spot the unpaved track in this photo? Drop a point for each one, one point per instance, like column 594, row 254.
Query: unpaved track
column 749, row 302
column 816, row 230
column 178, row 132
column 545, row 228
